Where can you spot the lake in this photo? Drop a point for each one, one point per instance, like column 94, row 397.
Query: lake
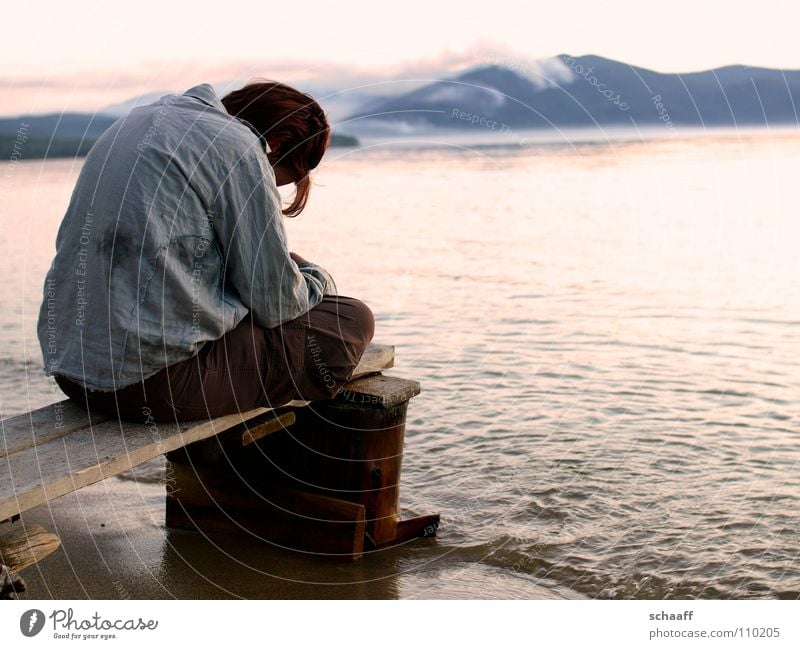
column 607, row 337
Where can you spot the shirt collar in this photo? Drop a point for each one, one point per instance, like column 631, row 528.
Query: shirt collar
column 205, row 93
column 263, row 140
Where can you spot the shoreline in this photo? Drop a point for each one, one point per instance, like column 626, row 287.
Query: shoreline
column 115, row 546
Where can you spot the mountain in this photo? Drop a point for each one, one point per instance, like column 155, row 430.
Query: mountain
column 561, row 92
column 338, row 97
column 588, row 91
column 69, row 135
column 66, row 135
column 118, row 110
column 58, row 125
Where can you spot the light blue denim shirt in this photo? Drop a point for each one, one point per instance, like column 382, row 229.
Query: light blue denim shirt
column 173, row 234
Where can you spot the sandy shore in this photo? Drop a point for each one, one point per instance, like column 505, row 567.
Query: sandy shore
column 115, row 545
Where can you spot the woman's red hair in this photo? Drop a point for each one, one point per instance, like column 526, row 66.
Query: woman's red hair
column 292, row 122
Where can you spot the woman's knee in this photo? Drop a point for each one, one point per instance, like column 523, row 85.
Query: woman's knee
column 360, row 323
column 366, row 321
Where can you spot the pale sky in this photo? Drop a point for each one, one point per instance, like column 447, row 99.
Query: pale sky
column 85, row 54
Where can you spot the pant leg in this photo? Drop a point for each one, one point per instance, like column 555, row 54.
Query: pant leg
column 309, row 358
column 322, row 348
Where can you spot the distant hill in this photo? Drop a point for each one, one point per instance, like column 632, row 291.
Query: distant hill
column 53, row 136
column 69, row 135
column 589, row 91
column 119, row 109
column 561, row 92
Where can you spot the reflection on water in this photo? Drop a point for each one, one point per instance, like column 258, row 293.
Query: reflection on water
column 607, row 338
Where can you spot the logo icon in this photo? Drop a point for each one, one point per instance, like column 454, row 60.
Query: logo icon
column 31, row 622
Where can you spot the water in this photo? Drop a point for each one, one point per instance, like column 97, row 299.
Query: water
column 607, row 338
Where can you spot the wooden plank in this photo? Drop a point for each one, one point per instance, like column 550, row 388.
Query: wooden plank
column 379, row 390
column 43, row 425
column 42, row 471
column 376, row 358
column 35, row 475
column 63, row 417
column 220, row 449
column 415, row 528
column 255, row 429
column 23, row 545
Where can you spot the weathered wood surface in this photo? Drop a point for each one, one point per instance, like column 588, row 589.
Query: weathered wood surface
column 63, row 417
column 208, row 500
column 379, row 390
column 217, row 450
column 376, row 358
column 36, row 469
column 254, row 429
column 349, row 448
column 43, row 425
column 39, row 474
column 23, row 545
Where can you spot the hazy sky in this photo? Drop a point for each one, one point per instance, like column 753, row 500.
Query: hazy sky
column 84, row 54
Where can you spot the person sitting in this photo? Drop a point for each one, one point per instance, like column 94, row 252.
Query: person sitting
column 173, row 294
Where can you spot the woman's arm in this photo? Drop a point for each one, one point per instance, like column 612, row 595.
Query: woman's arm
column 309, row 267
column 248, row 221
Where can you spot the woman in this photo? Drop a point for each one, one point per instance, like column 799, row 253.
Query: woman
column 173, row 294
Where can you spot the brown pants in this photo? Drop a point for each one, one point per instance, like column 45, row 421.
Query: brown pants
column 309, row 358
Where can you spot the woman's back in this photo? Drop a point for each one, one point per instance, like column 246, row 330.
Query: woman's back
column 139, row 277
column 173, row 293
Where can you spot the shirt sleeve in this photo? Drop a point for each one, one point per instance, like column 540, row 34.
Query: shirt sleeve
column 248, row 222
column 319, row 273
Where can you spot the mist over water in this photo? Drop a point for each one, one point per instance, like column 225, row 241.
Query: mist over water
column 607, row 339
